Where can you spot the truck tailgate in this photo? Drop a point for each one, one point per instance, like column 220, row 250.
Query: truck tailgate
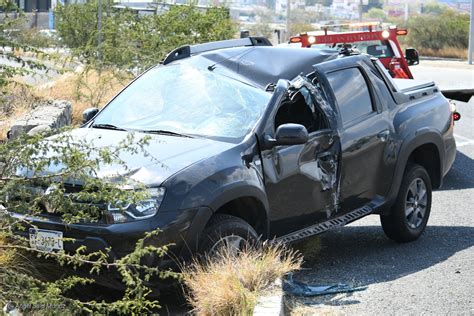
column 409, row 85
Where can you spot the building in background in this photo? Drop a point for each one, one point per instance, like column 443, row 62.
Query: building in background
column 280, row 5
column 459, row 5
column 345, row 9
column 34, row 5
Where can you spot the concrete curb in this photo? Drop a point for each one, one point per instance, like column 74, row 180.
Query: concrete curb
column 271, row 304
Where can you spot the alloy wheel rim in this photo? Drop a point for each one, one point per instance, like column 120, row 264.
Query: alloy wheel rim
column 232, row 243
column 416, row 202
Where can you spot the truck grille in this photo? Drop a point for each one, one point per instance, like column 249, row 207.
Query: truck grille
column 28, row 194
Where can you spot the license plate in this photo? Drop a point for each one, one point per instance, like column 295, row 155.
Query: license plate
column 46, row 240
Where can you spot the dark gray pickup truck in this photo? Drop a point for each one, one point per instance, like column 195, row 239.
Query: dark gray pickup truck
column 259, row 141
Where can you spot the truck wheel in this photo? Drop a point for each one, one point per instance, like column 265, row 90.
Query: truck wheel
column 409, row 215
column 226, row 231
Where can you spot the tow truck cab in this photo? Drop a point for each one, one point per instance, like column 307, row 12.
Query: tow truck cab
column 371, row 40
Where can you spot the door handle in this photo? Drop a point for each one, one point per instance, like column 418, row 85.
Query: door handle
column 383, row 135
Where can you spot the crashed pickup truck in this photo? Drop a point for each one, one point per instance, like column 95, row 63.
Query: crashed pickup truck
column 255, row 141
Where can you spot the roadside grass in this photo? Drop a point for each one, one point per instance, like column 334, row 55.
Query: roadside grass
column 229, row 284
column 84, row 89
column 15, row 101
column 7, row 256
column 446, row 52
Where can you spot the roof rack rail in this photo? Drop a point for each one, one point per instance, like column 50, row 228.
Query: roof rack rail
column 188, row 50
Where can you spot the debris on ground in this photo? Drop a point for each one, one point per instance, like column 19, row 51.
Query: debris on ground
column 297, row 288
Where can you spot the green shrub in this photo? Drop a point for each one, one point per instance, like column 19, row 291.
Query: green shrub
column 132, row 41
column 438, row 31
column 24, row 165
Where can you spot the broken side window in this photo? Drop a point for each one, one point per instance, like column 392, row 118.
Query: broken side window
column 300, row 107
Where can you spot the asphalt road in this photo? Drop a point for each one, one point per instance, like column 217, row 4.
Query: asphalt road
column 433, row 275
column 447, row 74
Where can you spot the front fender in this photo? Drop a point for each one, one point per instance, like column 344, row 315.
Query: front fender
column 237, row 190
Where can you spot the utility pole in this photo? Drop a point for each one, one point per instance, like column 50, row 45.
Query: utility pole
column 99, row 29
column 288, row 18
column 471, row 35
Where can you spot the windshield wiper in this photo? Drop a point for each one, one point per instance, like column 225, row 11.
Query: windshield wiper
column 163, row 132
column 108, row 126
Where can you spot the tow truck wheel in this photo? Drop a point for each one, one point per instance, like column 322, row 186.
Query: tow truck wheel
column 226, row 231
column 409, row 215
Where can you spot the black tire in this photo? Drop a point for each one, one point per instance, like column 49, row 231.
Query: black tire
column 400, row 226
column 221, row 226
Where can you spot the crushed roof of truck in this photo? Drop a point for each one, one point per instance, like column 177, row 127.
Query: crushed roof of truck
column 261, row 65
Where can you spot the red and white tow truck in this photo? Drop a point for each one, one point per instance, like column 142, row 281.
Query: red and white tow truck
column 370, row 39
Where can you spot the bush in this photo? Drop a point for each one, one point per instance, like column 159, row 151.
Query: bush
column 26, row 164
column 129, row 41
column 229, row 283
column 376, row 13
column 437, row 31
column 36, row 38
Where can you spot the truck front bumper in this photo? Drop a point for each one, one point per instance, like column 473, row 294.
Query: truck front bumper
column 179, row 230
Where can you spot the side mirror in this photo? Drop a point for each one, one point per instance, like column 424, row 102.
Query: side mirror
column 412, row 56
column 88, row 114
column 288, row 134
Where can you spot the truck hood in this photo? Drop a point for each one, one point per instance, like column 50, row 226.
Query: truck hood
column 166, row 155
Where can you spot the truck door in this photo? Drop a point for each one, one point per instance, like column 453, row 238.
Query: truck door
column 301, row 180
column 364, row 135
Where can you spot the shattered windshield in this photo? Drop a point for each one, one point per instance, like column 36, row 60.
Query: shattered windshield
column 186, row 100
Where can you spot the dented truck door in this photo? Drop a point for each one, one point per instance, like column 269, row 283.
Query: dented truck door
column 365, row 133
column 302, row 180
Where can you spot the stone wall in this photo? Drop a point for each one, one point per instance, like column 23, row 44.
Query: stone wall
column 46, row 116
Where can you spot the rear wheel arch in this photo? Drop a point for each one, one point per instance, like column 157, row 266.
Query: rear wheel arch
column 422, row 148
column 428, row 156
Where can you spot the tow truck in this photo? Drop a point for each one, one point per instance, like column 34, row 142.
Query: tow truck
column 370, row 38
column 373, row 39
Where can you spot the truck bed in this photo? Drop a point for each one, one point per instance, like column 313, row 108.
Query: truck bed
column 408, row 85
column 415, row 89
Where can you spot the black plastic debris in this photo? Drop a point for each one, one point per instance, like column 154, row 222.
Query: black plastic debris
column 296, row 288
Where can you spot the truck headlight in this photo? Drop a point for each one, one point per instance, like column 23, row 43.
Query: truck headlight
column 137, row 211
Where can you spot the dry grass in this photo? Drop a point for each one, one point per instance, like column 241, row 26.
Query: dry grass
column 84, row 89
column 447, row 52
column 17, row 100
column 229, row 284
column 7, row 256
